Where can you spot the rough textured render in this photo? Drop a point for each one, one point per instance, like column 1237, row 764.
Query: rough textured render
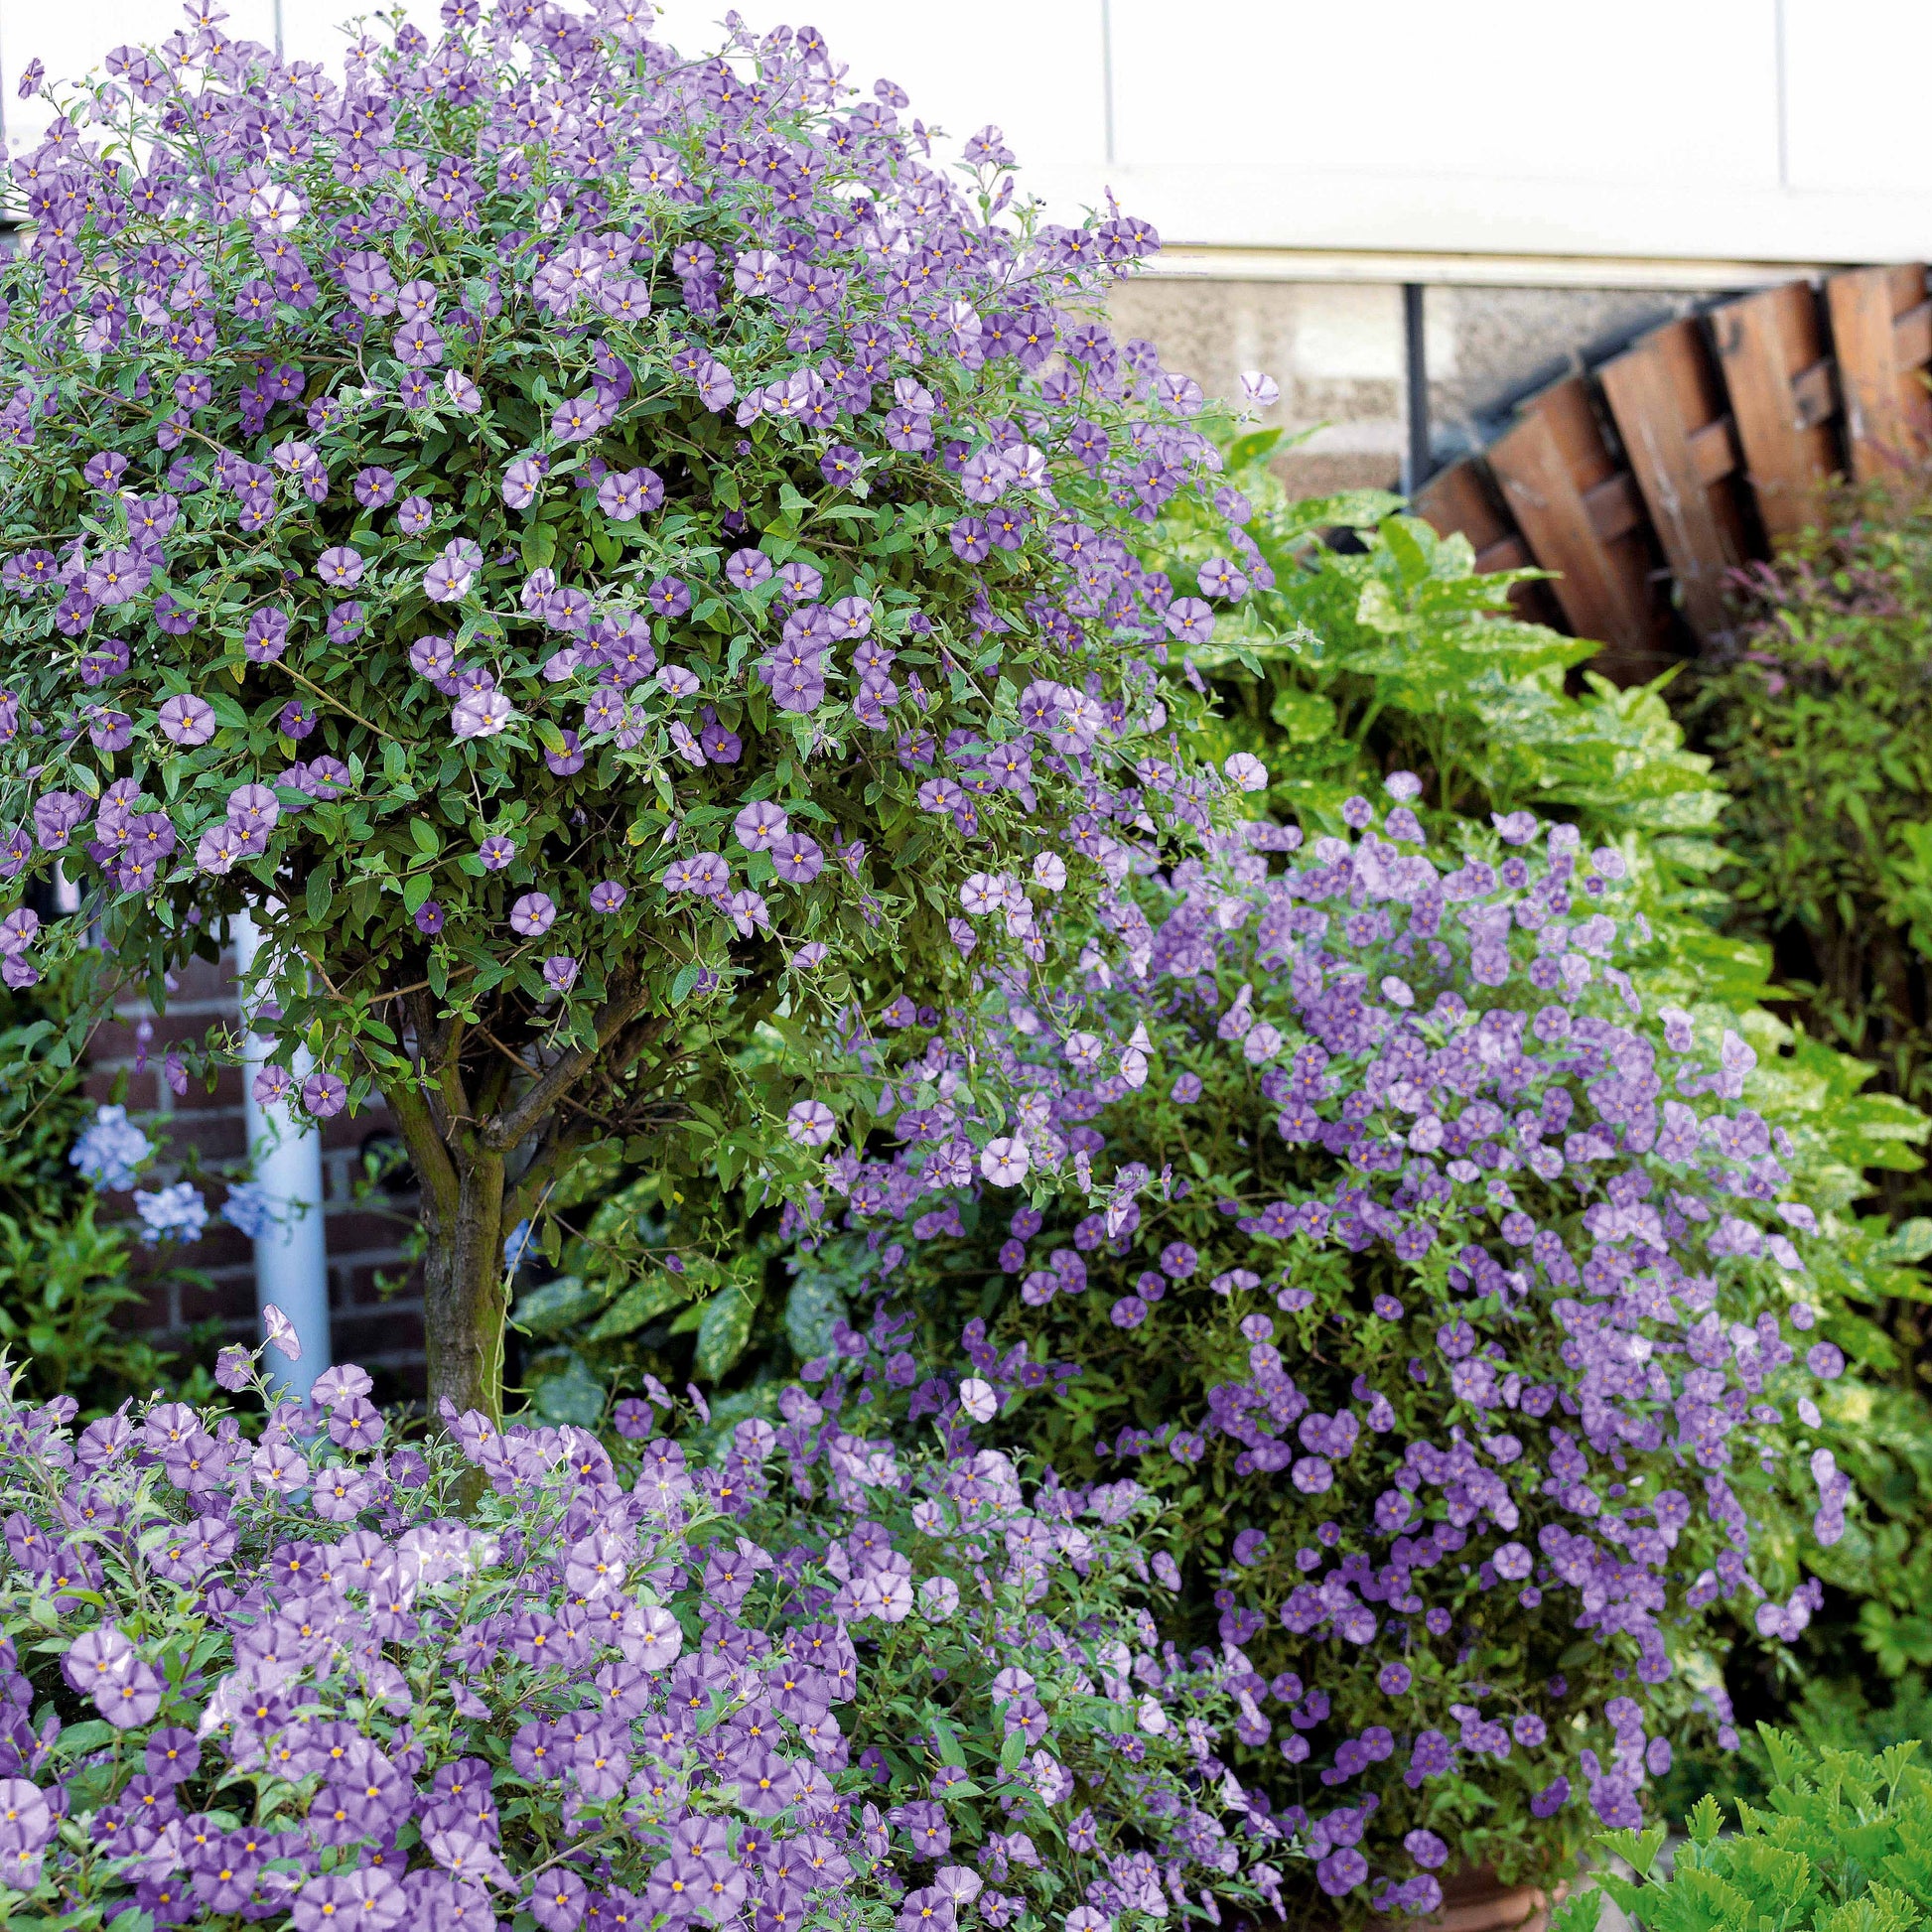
column 1336, row 349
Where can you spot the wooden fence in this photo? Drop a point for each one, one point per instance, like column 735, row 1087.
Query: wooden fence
column 1643, row 483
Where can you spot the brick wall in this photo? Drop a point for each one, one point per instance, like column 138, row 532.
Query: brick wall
column 207, row 1129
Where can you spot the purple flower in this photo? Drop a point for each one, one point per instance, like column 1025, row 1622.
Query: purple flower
column 481, row 714
column 414, row 514
column 344, row 623
column 798, row 858
column 324, row 1095
column 449, row 578
column 429, row 918
column 1826, row 1360
column 533, row 915
column 374, row 487
column 608, row 896
column 496, row 851
column 188, row 720
column 521, row 482
column 841, row 466
column 559, row 972
column 341, row 568
column 265, row 637
column 669, row 596
column 296, row 720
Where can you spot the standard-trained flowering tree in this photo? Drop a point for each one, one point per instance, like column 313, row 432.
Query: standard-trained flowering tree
column 599, row 550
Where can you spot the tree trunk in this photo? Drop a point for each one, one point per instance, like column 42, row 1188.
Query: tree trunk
column 465, row 1295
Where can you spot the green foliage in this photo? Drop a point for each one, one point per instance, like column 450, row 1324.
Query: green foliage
column 1396, row 654
column 1843, row 1842
column 1822, row 729
column 62, row 1274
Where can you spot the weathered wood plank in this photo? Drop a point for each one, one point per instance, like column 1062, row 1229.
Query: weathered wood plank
column 1887, row 412
column 1783, row 392
column 1662, row 392
column 1547, row 465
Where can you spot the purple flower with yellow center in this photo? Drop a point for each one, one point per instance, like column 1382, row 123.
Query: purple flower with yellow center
column 418, row 344
column 570, row 760
column 453, row 571
column 341, row 568
column 374, row 487
column 108, row 659
column 669, row 596
column 265, row 637
column 761, row 825
column 533, row 915
column 433, row 659
column 496, row 851
column 296, row 720
column 118, row 575
column 273, row 1085
column 344, row 623
column 841, row 466
column 429, row 918
column 626, row 494
column 414, row 514
column 186, row 719
column 521, row 482
column 324, row 1095
column 608, row 896
column 481, row 714
column 745, row 570
column 797, row 857
column 581, row 418
column 559, row 972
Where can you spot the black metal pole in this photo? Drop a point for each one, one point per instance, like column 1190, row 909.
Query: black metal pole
column 1419, row 465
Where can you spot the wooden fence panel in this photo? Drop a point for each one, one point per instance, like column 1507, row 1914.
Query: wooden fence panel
column 1462, row 499
column 1583, row 516
column 1882, row 334
column 1669, row 405
column 1783, row 388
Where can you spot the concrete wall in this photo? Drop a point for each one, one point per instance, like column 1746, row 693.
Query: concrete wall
column 1337, row 350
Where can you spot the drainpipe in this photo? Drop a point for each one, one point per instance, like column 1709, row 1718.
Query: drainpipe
column 1419, row 464
column 291, row 1262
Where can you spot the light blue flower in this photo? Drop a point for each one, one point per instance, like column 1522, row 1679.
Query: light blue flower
column 177, row 1213
column 112, row 1150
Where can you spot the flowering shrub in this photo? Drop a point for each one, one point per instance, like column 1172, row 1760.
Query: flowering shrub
column 598, row 549
column 292, row 1680
column 1455, row 1290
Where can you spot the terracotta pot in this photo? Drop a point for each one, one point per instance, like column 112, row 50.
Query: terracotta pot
column 1474, row 1900
column 1477, row 1901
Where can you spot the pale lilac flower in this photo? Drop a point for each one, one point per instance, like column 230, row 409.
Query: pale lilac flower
column 188, row 720
column 496, row 851
column 341, row 568
column 481, row 714
column 324, row 1095
column 608, row 896
column 810, row 1122
column 1006, row 1161
column 559, row 972
column 521, row 482
column 533, row 915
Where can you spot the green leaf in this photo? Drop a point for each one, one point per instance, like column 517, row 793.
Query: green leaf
column 687, row 978
column 570, row 1393
column 723, row 1331
column 642, row 1301
column 548, row 1310
column 320, row 894
column 426, row 840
